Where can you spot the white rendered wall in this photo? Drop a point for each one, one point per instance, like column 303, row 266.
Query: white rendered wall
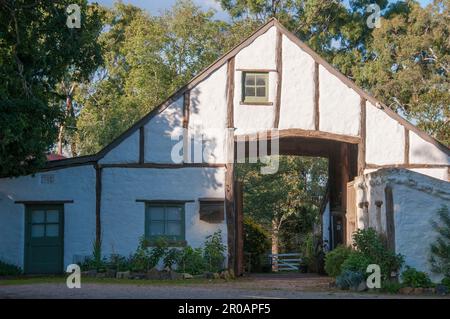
column 421, row 151
column 297, row 92
column 77, row 184
column 208, row 116
column 385, row 138
column 123, row 219
column 125, row 152
column 159, row 130
column 339, row 105
column 260, row 54
column 416, row 198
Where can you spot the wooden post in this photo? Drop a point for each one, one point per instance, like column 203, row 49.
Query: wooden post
column 230, row 213
column 406, row 155
column 239, row 268
column 186, row 112
column 362, row 143
column 316, row 96
column 230, row 93
column 279, row 66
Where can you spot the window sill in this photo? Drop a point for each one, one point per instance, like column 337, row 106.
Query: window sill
column 256, row 103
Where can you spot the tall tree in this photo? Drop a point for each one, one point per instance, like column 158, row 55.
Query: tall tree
column 146, row 59
column 408, row 65
column 295, row 190
column 37, row 50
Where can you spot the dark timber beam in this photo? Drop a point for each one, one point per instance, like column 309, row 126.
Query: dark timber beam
column 230, row 214
column 307, row 133
column 406, row 156
column 230, row 92
column 362, row 134
column 279, row 67
column 316, row 96
column 186, row 113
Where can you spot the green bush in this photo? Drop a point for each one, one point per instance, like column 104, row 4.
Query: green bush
column 172, row 257
column 372, row 246
column 440, row 249
column 446, row 282
column 9, row 269
column 391, row 287
column 334, row 260
column 192, row 261
column 358, row 262
column 416, row 279
column 349, row 279
column 256, row 243
column 213, row 252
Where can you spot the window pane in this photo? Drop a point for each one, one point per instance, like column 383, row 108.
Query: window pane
column 249, row 79
column 260, row 80
column 38, row 216
column 173, row 228
column 249, row 91
column 173, row 213
column 52, row 216
column 156, row 213
column 37, row 231
column 52, row 231
column 156, row 228
column 261, row 91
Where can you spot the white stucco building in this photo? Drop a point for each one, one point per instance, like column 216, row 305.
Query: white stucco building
column 143, row 184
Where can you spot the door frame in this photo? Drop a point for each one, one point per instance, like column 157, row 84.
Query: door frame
column 27, row 232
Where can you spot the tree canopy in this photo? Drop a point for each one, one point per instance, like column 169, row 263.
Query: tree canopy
column 94, row 82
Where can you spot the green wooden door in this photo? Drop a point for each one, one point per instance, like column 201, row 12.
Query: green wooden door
column 44, row 239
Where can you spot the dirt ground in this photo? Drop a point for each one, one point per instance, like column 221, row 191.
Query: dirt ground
column 282, row 286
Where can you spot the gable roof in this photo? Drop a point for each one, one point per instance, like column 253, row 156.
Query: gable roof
column 273, row 22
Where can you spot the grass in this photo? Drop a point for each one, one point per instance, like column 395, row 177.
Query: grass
column 90, row 280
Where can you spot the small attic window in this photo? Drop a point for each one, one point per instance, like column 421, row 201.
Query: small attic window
column 212, row 210
column 47, row 179
column 255, row 87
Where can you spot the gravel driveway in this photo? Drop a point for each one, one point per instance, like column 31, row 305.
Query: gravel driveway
column 300, row 287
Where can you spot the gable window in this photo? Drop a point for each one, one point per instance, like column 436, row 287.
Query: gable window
column 212, row 210
column 165, row 220
column 255, row 87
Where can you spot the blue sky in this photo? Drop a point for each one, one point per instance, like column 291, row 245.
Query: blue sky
column 156, row 6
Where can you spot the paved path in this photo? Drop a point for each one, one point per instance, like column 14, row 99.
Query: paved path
column 303, row 287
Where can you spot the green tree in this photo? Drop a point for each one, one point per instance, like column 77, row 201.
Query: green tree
column 37, row 51
column 408, row 64
column 296, row 190
column 146, row 59
column 440, row 250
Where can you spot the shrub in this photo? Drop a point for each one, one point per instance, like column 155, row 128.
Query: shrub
column 358, row 262
column 9, row 269
column 446, row 282
column 157, row 252
column 391, row 287
column 256, row 243
column 371, row 245
column 214, row 252
column 334, row 260
column 416, row 279
column 349, row 279
column 192, row 261
column 172, row 257
column 440, row 250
